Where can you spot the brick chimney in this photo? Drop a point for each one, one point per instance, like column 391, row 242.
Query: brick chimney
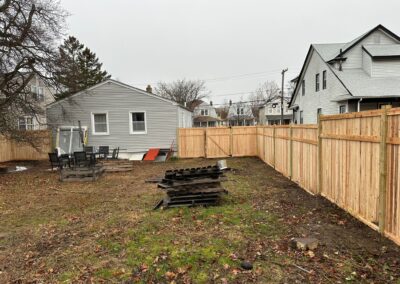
column 149, row 89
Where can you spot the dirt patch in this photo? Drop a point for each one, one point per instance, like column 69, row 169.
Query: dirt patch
column 105, row 231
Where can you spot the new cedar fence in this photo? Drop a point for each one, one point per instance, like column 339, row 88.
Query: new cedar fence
column 351, row 159
column 13, row 151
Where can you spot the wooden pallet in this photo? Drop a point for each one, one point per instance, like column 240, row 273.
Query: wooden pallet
column 116, row 166
column 81, row 173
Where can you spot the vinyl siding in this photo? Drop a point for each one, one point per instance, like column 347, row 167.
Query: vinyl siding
column 366, row 62
column 386, row 68
column 355, row 55
column 162, row 117
column 312, row 100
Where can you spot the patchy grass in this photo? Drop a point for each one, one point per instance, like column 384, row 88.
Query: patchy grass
column 106, row 231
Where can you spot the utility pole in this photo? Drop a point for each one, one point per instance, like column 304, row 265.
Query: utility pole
column 282, row 92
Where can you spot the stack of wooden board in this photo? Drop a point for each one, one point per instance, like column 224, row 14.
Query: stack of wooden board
column 192, row 187
column 81, row 173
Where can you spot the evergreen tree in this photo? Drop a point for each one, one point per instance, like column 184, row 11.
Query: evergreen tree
column 77, row 68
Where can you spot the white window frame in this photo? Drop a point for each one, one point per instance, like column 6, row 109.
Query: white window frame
column 131, row 125
column 26, row 123
column 107, row 120
column 344, row 107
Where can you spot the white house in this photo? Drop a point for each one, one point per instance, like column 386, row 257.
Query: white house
column 240, row 114
column 205, row 115
column 362, row 74
column 270, row 113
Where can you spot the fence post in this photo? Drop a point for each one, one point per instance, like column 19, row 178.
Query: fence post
column 319, row 150
column 205, row 142
column 273, row 141
column 230, row 141
column 264, row 145
column 383, row 170
column 291, row 151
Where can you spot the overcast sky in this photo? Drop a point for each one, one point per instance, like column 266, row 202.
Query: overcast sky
column 233, row 45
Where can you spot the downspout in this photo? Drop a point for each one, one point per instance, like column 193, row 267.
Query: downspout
column 359, row 104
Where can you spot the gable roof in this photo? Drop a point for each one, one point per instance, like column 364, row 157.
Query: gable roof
column 112, row 81
column 331, row 51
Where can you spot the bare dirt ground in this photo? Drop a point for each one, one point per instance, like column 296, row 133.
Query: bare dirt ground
column 106, row 232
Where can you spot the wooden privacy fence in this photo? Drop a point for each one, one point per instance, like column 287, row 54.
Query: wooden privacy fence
column 351, row 159
column 14, row 151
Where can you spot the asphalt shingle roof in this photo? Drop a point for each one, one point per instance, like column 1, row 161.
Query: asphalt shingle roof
column 383, row 50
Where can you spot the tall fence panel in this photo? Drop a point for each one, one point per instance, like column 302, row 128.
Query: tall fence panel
column 191, row 142
column 244, row 141
column 350, row 167
column 218, row 142
column 304, row 157
column 14, row 151
column 282, row 150
column 392, row 200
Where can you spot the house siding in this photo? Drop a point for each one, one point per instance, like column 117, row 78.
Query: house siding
column 386, row 68
column 312, row 100
column 162, row 117
column 366, row 63
column 355, row 55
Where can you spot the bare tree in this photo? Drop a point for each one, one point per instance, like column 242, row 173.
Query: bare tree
column 29, row 31
column 184, row 92
column 265, row 93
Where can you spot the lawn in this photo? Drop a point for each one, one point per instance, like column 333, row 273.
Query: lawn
column 106, row 231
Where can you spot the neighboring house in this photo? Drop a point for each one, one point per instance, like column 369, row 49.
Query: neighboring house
column 270, row 113
column 38, row 95
column 115, row 114
column 205, row 115
column 240, row 114
column 363, row 74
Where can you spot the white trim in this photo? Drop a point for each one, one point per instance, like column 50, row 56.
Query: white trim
column 92, row 122
column 131, row 126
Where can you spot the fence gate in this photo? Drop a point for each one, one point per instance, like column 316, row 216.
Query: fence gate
column 218, row 142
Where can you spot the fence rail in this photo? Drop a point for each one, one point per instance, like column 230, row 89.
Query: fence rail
column 351, row 159
column 13, row 151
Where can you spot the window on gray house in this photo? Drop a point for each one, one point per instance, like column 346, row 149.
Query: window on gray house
column 317, row 82
column 301, row 117
column 138, row 122
column 319, row 111
column 100, row 123
column 324, row 80
column 342, row 109
column 303, row 87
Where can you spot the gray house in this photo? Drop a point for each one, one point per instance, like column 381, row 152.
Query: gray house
column 362, row 74
column 115, row 114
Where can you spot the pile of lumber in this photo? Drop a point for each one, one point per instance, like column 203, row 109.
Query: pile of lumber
column 81, row 173
column 116, row 166
column 192, row 187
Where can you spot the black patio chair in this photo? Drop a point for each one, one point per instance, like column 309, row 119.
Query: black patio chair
column 57, row 162
column 115, row 154
column 81, row 159
column 104, row 151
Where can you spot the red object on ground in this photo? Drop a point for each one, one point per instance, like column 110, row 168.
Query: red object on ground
column 152, row 154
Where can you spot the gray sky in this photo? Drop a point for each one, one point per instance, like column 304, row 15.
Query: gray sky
column 233, row 45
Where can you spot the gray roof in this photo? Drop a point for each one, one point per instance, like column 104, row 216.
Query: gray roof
column 328, row 51
column 383, row 50
column 361, row 84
